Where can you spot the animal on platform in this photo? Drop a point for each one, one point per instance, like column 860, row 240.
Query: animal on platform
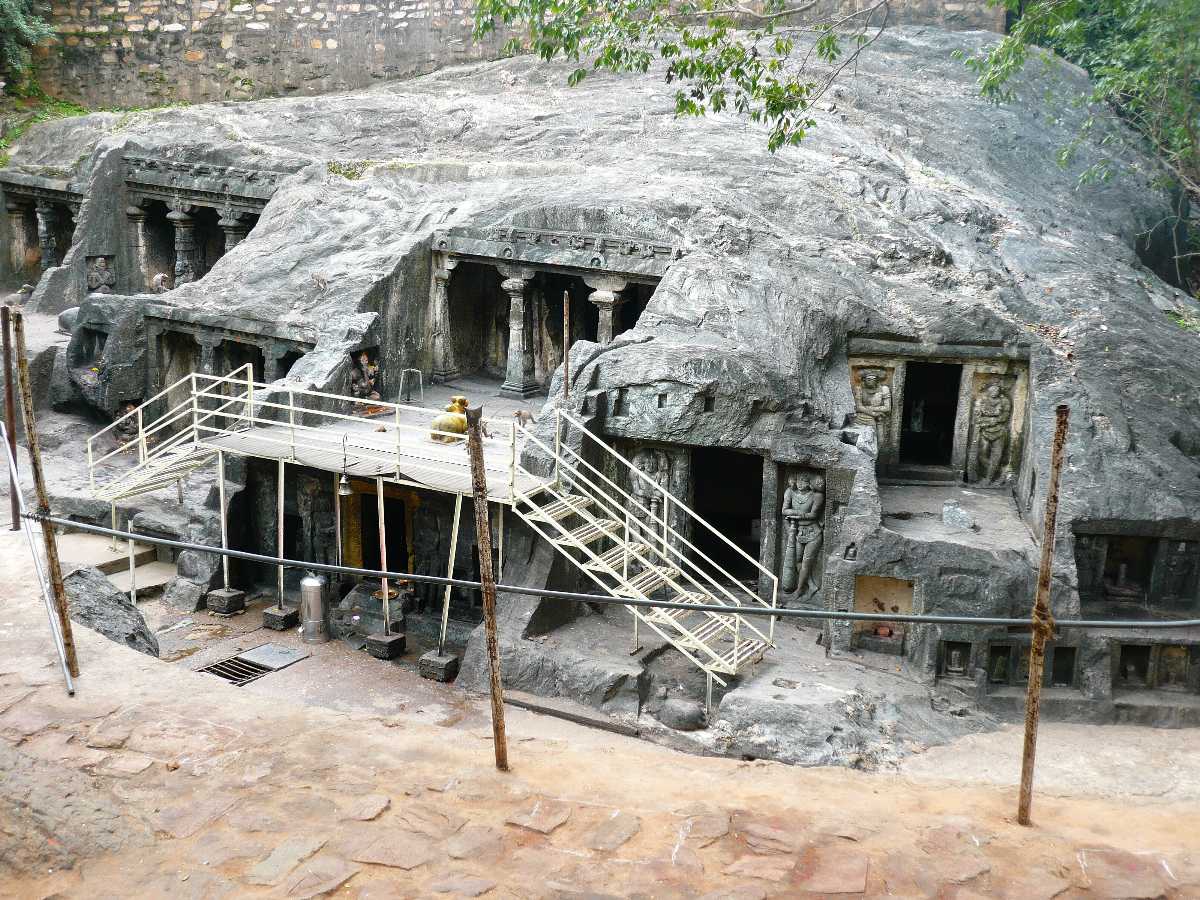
column 452, row 422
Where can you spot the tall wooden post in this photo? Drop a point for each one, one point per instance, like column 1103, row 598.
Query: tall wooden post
column 43, row 498
column 1043, row 621
column 567, row 344
column 10, row 415
column 483, row 536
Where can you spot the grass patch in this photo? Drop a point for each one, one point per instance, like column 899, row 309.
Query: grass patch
column 38, row 108
column 351, row 171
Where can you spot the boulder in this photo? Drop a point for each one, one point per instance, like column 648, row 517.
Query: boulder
column 96, row 604
column 682, row 715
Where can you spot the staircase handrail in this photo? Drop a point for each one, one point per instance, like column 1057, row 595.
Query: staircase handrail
column 138, row 412
column 661, row 519
column 771, row 576
column 617, row 508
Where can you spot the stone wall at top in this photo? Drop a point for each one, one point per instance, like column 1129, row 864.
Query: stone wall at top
column 138, row 53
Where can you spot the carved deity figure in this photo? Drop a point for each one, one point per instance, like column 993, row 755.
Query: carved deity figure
column 804, row 534
column 647, row 511
column 101, row 279
column 1180, row 570
column 363, row 375
column 427, row 559
column 992, row 413
column 872, row 399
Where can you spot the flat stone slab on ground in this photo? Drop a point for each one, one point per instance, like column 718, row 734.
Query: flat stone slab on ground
column 124, row 765
column 768, row 868
column 1129, row 876
column 702, row 830
column 474, row 841
column 613, row 832
column 462, row 886
column 543, row 816
column 764, row 837
column 835, row 870
column 428, row 820
column 397, row 850
column 367, row 808
column 186, row 819
column 283, row 859
column 319, row 877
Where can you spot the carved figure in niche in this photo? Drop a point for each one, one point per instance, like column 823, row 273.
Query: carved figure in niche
column 101, row 279
column 453, row 421
column 1180, row 567
column 992, row 413
column 804, row 534
column 363, row 375
column 184, row 273
column 872, row 399
column 427, row 560
column 647, row 511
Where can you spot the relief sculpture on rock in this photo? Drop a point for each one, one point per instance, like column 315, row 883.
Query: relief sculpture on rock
column 872, row 399
column 993, row 412
column 803, row 534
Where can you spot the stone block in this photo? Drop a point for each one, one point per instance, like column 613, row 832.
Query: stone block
column 280, row 619
column 438, row 667
column 226, row 601
column 385, row 646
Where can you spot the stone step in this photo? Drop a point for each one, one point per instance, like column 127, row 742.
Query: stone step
column 149, row 577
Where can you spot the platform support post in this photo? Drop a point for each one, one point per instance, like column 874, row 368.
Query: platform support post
column 450, row 574
column 383, row 560
column 224, row 518
column 279, row 531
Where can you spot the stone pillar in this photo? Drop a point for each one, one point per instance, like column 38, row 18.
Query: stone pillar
column 47, row 220
column 273, row 354
column 606, row 295
column 16, row 233
column 519, row 380
column 445, row 368
column 235, row 227
column 186, row 263
column 140, row 281
column 208, row 352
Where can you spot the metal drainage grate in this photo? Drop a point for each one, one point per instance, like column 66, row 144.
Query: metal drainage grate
column 236, row 671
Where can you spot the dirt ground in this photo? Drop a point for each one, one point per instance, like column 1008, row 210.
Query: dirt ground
column 156, row 781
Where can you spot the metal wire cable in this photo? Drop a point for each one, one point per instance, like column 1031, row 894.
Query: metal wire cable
column 782, row 613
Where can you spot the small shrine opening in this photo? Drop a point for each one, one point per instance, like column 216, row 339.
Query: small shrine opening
column 930, row 411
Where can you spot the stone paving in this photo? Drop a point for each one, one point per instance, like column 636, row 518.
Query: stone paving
column 155, row 781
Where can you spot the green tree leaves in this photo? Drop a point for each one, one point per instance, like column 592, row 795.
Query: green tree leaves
column 21, row 28
column 770, row 77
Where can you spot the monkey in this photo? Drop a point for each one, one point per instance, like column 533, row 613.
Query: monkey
column 161, row 283
column 524, row 418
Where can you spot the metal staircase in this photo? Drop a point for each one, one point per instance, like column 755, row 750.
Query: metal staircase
column 626, row 533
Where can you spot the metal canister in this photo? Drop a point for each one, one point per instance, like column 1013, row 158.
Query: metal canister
column 314, row 612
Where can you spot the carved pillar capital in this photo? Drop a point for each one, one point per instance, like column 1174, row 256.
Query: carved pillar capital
column 519, row 379
column 445, row 368
column 135, row 213
column 47, row 221
column 208, row 352
column 606, row 295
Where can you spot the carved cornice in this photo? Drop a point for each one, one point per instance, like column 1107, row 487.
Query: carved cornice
column 562, row 249
column 166, row 317
column 220, row 187
column 32, row 188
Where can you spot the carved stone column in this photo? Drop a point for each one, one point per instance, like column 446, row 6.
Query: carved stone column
column 208, row 352
column 445, row 368
column 16, row 232
column 235, row 226
column 47, row 221
column 186, row 263
column 140, row 280
column 273, row 354
column 518, row 371
column 606, row 295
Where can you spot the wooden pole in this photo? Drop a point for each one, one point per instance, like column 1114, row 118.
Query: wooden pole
column 483, row 536
column 10, row 415
column 279, row 497
column 381, row 530
column 1043, row 620
column 567, row 344
column 43, row 498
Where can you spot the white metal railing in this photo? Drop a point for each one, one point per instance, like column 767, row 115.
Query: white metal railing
column 217, row 406
column 648, row 539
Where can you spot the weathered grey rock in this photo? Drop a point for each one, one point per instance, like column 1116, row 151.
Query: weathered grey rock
column 956, row 517
column 67, row 319
column 682, row 715
column 96, row 604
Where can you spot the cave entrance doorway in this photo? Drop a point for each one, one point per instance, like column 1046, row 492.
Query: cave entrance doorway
column 930, row 412
column 395, row 520
column 728, row 495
